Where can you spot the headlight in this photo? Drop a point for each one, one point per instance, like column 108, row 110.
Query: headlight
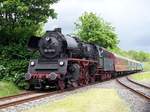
column 61, row 63
column 32, row 63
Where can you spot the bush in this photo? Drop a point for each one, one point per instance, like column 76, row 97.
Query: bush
column 14, row 60
column 14, row 71
column 2, row 71
column 14, row 63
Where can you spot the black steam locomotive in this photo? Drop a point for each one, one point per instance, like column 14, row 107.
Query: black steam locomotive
column 66, row 61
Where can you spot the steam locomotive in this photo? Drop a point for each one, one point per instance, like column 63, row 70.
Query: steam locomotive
column 66, row 61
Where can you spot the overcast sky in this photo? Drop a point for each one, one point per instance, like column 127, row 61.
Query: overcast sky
column 131, row 18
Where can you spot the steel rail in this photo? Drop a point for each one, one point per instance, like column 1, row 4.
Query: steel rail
column 137, row 83
column 17, row 95
column 21, row 101
column 134, row 90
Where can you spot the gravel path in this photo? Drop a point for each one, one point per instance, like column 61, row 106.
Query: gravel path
column 136, row 103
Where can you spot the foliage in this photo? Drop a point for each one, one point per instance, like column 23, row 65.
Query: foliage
column 19, row 19
column 136, row 55
column 146, row 66
column 14, row 63
column 22, row 18
column 8, row 88
column 13, row 71
column 94, row 29
column 119, row 51
column 141, row 56
column 16, row 51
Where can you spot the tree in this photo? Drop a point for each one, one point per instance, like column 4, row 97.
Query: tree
column 139, row 55
column 94, row 29
column 23, row 17
column 132, row 54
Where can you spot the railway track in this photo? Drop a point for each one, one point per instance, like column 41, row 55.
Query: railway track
column 142, row 90
column 31, row 96
column 145, row 86
column 22, row 98
column 15, row 96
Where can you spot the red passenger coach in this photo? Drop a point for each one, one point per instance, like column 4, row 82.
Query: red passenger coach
column 120, row 63
column 124, row 65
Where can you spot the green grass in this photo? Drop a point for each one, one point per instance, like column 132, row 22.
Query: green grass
column 8, row 88
column 142, row 76
column 146, row 66
column 93, row 100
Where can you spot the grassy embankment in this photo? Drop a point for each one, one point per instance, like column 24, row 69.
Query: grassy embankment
column 145, row 77
column 93, row 100
column 8, row 88
column 146, row 66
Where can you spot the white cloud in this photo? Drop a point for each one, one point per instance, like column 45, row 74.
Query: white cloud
column 130, row 17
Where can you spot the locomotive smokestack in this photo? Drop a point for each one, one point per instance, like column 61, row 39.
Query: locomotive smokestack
column 57, row 30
